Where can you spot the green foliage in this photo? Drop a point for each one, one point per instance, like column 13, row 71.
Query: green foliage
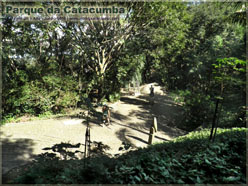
column 208, row 73
column 114, row 97
column 184, row 46
column 196, row 109
column 239, row 13
column 230, row 71
column 36, row 97
column 188, row 159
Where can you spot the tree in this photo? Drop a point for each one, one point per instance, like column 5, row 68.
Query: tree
column 228, row 73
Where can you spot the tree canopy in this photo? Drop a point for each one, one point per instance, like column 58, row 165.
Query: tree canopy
column 191, row 49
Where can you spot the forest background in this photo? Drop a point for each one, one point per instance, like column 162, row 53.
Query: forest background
column 197, row 51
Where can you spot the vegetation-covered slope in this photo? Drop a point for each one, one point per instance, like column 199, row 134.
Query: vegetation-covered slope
column 187, row 159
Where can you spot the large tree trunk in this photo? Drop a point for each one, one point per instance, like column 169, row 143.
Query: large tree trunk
column 100, row 87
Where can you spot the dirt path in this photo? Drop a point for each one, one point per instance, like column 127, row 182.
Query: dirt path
column 131, row 120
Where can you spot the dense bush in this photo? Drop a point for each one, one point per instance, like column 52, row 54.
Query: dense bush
column 49, row 94
column 188, row 159
column 196, row 108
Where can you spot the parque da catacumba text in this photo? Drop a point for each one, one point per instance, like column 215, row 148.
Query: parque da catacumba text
column 66, row 9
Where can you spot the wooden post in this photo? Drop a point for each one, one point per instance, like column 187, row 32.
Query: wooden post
column 89, row 142
column 153, row 130
column 155, row 125
column 85, row 147
column 87, row 139
column 151, row 135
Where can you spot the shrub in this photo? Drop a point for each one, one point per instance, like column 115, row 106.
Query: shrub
column 114, row 97
column 49, row 94
column 196, row 107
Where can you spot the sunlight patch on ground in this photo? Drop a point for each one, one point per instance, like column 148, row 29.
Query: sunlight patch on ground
column 72, row 122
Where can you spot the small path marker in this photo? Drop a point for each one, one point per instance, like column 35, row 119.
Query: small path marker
column 155, row 125
column 151, row 135
column 153, row 130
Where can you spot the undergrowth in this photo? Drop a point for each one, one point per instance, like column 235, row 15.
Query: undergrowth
column 188, row 159
column 46, row 115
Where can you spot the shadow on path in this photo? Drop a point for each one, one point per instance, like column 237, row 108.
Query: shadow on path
column 137, row 138
column 167, row 112
column 15, row 153
column 122, row 137
column 134, row 101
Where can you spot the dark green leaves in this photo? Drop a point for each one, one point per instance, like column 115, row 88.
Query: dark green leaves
column 222, row 162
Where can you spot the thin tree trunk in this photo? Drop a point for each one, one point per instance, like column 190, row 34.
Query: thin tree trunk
column 214, row 119
column 218, row 118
